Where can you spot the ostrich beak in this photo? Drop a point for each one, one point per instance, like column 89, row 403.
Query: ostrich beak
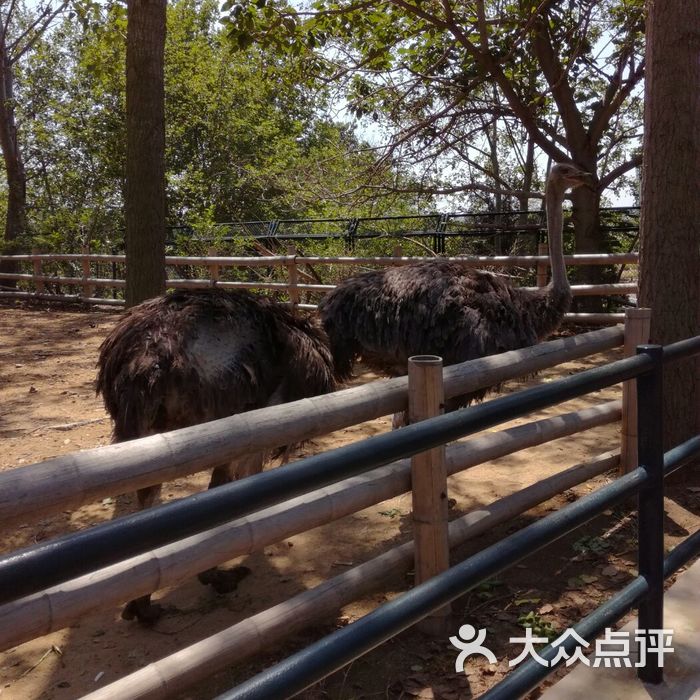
column 582, row 177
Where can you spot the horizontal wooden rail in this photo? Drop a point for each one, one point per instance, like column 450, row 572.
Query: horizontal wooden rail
column 59, row 606
column 69, row 481
column 281, row 260
column 78, row 281
column 66, row 298
column 166, row 677
column 594, row 319
column 576, row 289
column 290, row 262
column 283, row 286
column 478, row 260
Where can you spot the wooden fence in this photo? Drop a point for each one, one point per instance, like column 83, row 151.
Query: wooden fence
column 32, row 492
column 34, row 283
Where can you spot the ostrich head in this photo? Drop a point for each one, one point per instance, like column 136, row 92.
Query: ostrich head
column 563, row 176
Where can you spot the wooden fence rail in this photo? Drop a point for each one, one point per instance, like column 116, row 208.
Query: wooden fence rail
column 168, row 676
column 35, row 491
column 292, row 287
column 171, row 564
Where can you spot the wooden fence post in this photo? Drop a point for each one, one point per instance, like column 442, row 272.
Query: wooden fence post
column 426, row 399
column 293, row 276
column 213, row 267
column 39, row 286
column 542, row 249
column 637, row 325
column 398, row 251
column 87, row 288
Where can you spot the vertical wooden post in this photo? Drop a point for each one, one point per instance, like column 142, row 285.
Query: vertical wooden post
column 213, row 267
column 542, row 249
column 398, row 251
column 39, row 286
column 429, row 484
column 637, row 325
column 293, row 276
column 87, row 288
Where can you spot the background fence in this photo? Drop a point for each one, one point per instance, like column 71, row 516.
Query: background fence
column 296, row 279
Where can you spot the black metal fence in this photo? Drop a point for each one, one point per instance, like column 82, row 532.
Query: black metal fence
column 435, row 229
column 46, row 564
column 342, row 647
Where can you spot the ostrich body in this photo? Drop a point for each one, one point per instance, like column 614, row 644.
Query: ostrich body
column 447, row 309
column 191, row 357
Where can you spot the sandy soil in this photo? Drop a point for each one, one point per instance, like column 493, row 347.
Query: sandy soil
column 48, row 408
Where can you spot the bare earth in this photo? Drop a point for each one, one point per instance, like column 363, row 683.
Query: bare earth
column 48, row 407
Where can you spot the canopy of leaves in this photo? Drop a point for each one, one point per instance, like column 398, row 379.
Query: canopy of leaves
column 247, row 138
column 453, row 82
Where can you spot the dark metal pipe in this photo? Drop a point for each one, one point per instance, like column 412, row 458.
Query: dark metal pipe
column 683, row 349
column 651, row 504
column 682, row 553
column 530, row 673
column 46, row 564
column 331, row 653
column 680, row 455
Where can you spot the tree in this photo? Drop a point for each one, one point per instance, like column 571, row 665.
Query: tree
column 566, row 73
column 246, row 138
column 145, row 207
column 670, row 223
column 19, row 32
column 70, row 100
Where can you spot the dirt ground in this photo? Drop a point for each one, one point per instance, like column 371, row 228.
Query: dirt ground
column 48, row 408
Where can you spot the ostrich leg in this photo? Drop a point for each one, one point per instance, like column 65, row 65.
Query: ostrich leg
column 227, row 580
column 222, row 581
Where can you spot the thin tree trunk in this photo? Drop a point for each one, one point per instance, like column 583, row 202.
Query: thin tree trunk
column 145, row 151
column 16, row 220
column 496, row 169
column 588, row 239
column 670, row 220
column 528, row 172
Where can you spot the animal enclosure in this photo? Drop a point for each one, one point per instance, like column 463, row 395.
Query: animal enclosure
column 162, row 565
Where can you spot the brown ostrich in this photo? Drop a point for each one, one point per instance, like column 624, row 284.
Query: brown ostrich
column 446, row 309
column 190, row 357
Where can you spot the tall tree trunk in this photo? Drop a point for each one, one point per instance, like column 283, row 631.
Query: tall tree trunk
column 16, row 221
column 670, row 220
column 588, row 238
column 145, row 151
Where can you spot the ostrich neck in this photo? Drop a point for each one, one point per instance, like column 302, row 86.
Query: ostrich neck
column 554, row 197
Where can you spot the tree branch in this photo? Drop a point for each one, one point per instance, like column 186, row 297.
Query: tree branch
column 620, row 170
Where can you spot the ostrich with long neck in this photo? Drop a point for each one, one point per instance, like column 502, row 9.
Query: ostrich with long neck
column 446, row 309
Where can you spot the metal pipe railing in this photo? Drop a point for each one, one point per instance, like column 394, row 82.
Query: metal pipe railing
column 34, row 568
column 650, row 540
column 333, row 652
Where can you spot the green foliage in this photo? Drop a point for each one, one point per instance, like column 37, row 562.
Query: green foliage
column 540, row 626
column 247, row 137
column 249, row 101
column 465, row 90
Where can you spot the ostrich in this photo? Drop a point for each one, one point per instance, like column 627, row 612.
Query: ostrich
column 190, row 357
column 439, row 307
